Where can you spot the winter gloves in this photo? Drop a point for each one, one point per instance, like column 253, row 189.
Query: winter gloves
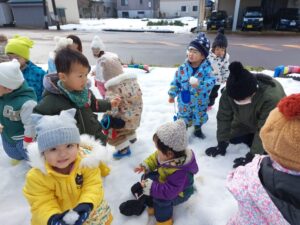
column 218, row 150
column 57, row 219
column 243, row 160
column 82, row 209
column 111, row 122
column 137, row 206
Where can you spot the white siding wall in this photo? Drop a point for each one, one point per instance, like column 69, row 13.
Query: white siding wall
column 173, row 8
column 71, row 9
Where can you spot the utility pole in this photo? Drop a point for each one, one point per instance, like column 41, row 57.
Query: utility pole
column 201, row 14
column 45, row 15
column 55, row 14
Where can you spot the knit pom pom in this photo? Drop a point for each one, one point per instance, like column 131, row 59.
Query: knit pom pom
column 290, row 106
column 236, row 68
column 71, row 217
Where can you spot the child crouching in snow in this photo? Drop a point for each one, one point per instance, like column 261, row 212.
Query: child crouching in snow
column 62, row 187
column 268, row 188
column 169, row 175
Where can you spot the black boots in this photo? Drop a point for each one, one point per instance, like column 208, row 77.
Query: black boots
column 198, row 132
column 138, row 205
column 242, row 161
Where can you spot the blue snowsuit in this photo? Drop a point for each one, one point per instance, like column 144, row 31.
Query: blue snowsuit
column 192, row 102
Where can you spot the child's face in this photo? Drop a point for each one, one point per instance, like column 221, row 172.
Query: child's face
column 96, row 52
column 21, row 60
column 194, row 56
column 165, row 157
column 4, row 90
column 219, row 52
column 76, row 79
column 61, row 156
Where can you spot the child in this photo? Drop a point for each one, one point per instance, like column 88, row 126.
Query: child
column 3, row 43
column 98, row 50
column 192, row 85
column 18, row 48
column 125, row 119
column 68, row 89
column 219, row 59
column 62, row 186
column 268, row 188
column 60, row 43
column 77, row 45
column 169, row 175
column 17, row 101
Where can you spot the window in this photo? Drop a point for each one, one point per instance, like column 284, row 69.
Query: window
column 125, row 14
column 141, row 12
column 183, row 8
column 141, row 2
column 195, row 8
column 124, row 2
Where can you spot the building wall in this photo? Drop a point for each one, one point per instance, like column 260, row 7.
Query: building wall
column 172, row 8
column 71, row 9
column 138, row 9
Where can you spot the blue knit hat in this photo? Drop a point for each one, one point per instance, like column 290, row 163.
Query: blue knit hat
column 201, row 43
column 56, row 130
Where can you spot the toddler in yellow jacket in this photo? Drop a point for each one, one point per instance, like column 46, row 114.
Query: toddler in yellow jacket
column 64, row 187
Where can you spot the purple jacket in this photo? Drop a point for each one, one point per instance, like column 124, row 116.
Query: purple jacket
column 173, row 180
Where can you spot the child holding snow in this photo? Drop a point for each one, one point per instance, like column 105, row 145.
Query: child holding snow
column 169, row 175
column 62, row 187
column 268, row 188
column 219, row 60
column 60, row 43
column 17, row 101
column 121, row 122
column 98, row 50
column 192, row 85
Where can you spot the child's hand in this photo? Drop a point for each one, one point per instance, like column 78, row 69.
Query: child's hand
column 139, row 169
column 143, row 183
column 1, row 128
column 115, row 102
column 171, row 100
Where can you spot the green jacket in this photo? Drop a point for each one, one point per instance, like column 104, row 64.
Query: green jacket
column 54, row 101
column 236, row 120
column 12, row 108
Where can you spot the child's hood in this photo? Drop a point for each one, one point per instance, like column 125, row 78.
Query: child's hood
column 50, row 83
column 92, row 153
column 189, row 165
column 119, row 79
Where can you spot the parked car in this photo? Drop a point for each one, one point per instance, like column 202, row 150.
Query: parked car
column 218, row 19
column 253, row 19
column 287, row 19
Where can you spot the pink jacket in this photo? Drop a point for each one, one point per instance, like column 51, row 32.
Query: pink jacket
column 255, row 205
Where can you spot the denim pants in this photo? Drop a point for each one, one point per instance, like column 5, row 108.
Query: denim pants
column 14, row 150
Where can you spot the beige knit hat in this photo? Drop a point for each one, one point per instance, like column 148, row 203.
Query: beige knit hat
column 111, row 66
column 173, row 134
column 280, row 134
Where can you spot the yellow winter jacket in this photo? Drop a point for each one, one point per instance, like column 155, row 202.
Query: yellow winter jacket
column 49, row 192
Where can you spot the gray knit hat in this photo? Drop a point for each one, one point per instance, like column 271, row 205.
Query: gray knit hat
column 173, row 134
column 56, row 130
column 111, row 66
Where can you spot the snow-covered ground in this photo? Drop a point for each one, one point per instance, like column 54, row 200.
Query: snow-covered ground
column 211, row 204
column 131, row 24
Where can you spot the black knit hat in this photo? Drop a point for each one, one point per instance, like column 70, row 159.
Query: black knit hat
column 241, row 83
column 220, row 40
column 201, row 43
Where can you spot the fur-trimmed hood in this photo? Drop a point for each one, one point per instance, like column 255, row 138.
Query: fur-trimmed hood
column 91, row 160
column 118, row 79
